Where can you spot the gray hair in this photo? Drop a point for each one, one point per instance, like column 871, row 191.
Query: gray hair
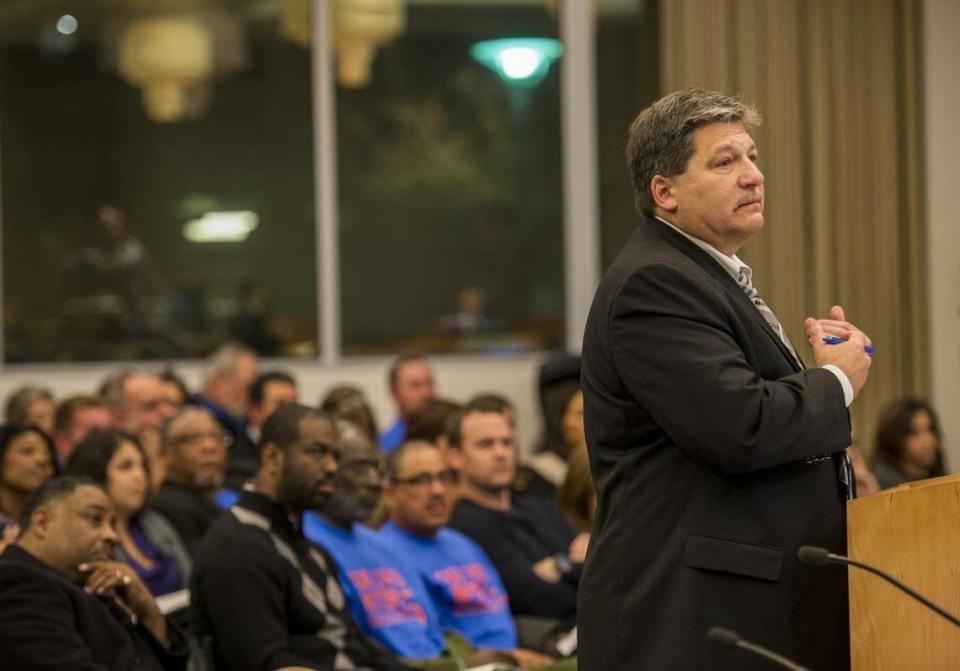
column 224, row 360
column 660, row 139
column 18, row 404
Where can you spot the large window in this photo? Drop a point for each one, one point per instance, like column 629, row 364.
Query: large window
column 451, row 222
column 143, row 221
column 627, row 81
column 169, row 182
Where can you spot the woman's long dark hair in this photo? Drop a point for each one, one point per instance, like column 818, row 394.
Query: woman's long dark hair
column 91, row 455
column 895, row 426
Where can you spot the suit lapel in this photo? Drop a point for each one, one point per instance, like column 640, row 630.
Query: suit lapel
column 710, row 265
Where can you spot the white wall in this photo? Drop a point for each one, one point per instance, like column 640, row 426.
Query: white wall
column 457, row 378
column 941, row 53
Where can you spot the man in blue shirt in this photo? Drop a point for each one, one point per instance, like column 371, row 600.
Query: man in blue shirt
column 382, row 581
column 387, row 599
column 465, row 588
column 411, row 385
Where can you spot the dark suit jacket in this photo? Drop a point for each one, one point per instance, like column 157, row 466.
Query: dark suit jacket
column 47, row 622
column 707, row 445
column 189, row 511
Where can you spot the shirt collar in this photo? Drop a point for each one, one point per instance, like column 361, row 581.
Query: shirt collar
column 732, row 264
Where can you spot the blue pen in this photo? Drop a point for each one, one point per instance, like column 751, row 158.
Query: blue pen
column 836, row 340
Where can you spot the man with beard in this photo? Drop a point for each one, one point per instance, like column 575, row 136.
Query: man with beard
column 387, row 599
column 66, row 603
column 196, row 449
column 263, row 596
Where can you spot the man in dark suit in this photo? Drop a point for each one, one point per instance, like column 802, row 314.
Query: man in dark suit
column 65, row 604
column 715, row 452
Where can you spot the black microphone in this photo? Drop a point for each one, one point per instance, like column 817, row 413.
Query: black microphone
column 731, row 639
column 822, row 557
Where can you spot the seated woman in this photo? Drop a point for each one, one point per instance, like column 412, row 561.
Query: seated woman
column 27, row 460
column 147, row 542
column 908, row 445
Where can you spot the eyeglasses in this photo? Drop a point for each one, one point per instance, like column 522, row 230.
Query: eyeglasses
column 197, row 438
column 445, row 477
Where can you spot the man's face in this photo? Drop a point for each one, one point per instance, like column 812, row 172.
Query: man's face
column 309, row 466
column 413, row 387
column 275, row 394
column 197, row 450
column 719, row 197
column 147, row 407
column 235, row 391
column 487, row 456
column 358, row 485
column 420, row 495
column 77, row 528
column 86, row 420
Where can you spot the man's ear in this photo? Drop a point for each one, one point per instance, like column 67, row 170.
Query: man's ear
column 271, row 458
column 455, row 458
column 664, row 193
column 40, row 522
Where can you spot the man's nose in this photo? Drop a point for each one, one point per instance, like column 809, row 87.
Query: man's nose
column 109, row 535
column 751, row 176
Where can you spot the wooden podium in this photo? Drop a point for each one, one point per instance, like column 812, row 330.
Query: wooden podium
column 913, row 533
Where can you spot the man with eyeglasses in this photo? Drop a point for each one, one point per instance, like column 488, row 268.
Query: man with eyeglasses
column 264, row 597
column 192, row 496
column 465, row 588
column 386, row 598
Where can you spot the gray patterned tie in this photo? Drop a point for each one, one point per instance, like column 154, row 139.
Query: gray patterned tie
column 744, row 279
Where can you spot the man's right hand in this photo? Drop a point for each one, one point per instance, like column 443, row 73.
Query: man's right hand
column 849, row 356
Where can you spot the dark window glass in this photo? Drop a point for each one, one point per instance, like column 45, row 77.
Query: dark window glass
column 104, row 205
column 627, row 81
column 450, row 203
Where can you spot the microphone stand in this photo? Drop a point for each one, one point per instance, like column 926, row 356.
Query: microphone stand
column 821, row 557
column 731, row 639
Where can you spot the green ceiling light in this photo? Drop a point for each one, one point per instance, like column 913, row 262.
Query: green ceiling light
column 520, row 61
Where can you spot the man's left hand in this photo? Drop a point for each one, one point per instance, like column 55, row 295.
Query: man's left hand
column 131, row 593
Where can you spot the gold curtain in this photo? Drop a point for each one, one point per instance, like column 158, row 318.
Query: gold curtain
column 838, row 84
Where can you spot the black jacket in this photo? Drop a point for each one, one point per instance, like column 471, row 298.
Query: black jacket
column 263, row 597
column 715, row 456
column 47, row 622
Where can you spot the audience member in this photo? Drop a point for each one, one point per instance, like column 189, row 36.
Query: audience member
column 146, row 540
column 430, row 422
column 908, row 444
column 291, row 610
column 561, row 405
column 577, row 497
column 464, row 589
column 411, row 385
column 31, row 406
column 269, row 391
column 27, row 460
column 66, row 603
column 387, row 599
column 139, row 407
column 196, row 448
column 538, row 554
column 174, row 388
column 345, row 402
column 75, row 417
column 231, row 369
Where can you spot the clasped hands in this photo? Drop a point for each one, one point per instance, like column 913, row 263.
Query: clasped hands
column 849, row 356
column 130, row 593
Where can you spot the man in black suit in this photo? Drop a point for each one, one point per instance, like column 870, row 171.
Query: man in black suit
column 715, row 452
column 64, row 602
